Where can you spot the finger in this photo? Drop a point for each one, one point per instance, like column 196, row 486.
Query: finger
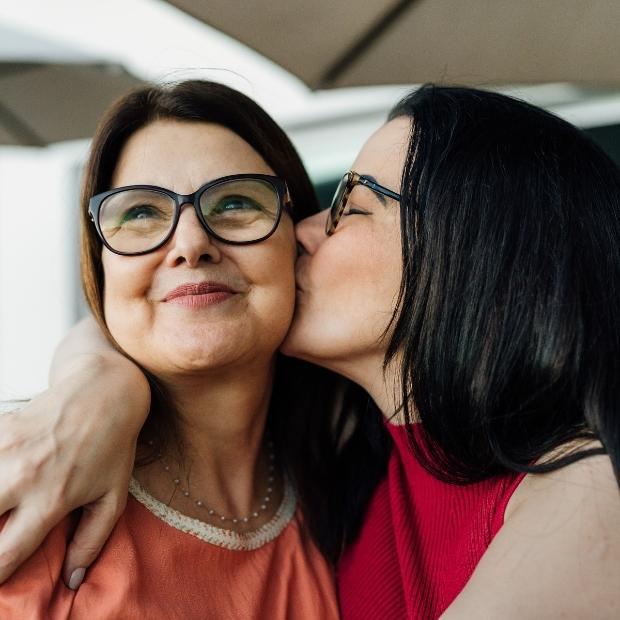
column 93, row 530
column 23, row 532
column 8, row 498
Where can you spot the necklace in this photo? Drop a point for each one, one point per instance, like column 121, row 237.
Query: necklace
column 223, row 518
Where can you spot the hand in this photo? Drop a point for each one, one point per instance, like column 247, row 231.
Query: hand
column 74, row 445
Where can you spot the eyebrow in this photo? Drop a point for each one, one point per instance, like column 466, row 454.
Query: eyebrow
column 381, row 197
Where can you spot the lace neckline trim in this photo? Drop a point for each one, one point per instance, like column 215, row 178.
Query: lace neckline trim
column 235, row 541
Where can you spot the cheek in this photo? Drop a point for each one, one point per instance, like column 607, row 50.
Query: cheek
column 360, row 272
column 272, row 271
column 349, row 292
column 360, row 290
column 125, row 294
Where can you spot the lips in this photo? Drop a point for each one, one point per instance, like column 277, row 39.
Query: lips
column 199, row 289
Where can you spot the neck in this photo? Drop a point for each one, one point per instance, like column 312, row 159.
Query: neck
column 221, row 457
column 383, row 385
column 219, row 413
column 385, row 389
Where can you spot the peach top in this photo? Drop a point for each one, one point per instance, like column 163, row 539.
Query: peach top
column 159, row 563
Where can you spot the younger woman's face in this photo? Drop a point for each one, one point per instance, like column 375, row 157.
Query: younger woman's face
column 348, row 283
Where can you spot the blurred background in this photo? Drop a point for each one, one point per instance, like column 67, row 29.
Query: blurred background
column 327, row 71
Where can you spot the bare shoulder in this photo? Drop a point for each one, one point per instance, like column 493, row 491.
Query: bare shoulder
column 589, row 483
column 558, row 552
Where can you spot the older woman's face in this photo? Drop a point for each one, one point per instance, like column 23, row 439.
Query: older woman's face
column 348, row 283
column 247, row 320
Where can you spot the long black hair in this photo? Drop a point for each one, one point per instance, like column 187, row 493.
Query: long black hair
column 508, row 319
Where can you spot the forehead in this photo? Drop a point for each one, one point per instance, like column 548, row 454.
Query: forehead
column 182, row 155
column 384, row 153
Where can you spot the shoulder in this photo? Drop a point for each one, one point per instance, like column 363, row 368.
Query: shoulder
column 558, row 551
column 588, row 486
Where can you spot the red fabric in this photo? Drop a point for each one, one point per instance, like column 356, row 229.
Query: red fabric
column 421, row 540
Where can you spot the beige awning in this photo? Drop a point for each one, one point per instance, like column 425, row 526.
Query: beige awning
column 332, row 43
column 50, row 93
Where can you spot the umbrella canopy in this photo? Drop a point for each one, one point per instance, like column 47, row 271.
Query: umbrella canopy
column 333, row 43
column 49, row 92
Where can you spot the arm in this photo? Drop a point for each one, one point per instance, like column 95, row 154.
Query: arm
column 72, row 446
column 557, row 554
column 84, row 343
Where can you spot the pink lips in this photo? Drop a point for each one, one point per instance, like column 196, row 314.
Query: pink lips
column 199, row 295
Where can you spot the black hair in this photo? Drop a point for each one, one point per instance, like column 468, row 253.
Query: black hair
column 508, row 318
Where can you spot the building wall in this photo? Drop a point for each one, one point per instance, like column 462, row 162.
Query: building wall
column 37, row 264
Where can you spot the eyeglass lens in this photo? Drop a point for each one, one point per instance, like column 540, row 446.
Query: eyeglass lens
column 332, row 217
column 137, row 220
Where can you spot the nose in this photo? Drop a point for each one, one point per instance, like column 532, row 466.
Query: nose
column 190, row 242
column 310, row 232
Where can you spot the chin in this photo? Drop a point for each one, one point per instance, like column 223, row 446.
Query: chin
column 301, row 335
column 186, row 364
column 291, row 344
column 308, row 345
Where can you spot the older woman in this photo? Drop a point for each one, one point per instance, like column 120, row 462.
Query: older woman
column 188, row 266
column 468, row 277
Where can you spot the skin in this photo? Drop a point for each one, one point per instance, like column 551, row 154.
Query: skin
column 558, row 551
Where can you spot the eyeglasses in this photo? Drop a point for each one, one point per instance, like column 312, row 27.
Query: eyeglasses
column 239, row 209
column 346, row 185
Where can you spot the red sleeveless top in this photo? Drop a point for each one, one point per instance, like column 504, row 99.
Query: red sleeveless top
column 420, row 541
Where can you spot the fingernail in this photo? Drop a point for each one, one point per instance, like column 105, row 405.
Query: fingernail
column 77, row 576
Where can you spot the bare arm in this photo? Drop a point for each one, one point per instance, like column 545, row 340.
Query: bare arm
column 83, row 342
column 558, row 553
column 72, row 446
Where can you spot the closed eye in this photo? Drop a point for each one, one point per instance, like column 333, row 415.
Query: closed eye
column 354, row 211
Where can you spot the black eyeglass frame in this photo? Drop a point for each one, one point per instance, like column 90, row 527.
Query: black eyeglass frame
column 344, row 189
column 284, row 202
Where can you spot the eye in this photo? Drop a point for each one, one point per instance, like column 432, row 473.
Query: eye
column 140, row 212
column 230, row 204
column 354, row 211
